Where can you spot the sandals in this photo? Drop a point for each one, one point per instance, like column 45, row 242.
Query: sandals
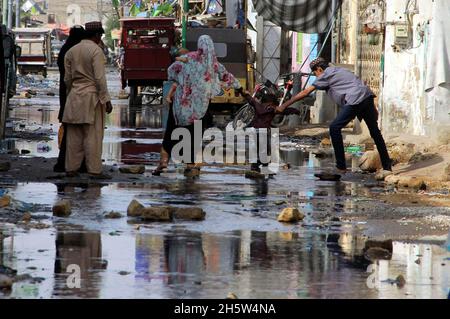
column 163, row 163
column 161, row 168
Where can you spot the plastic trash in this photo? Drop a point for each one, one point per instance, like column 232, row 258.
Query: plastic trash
column 354, row 149
column 43, row 148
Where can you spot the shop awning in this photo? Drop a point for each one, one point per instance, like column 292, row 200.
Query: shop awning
column 306, row 16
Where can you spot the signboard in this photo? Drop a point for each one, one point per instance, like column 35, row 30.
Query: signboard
column 115, row 34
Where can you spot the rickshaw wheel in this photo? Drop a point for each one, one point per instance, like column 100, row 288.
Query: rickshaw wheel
column 135, row 99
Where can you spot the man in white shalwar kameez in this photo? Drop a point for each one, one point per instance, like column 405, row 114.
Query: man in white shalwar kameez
column 87, row 101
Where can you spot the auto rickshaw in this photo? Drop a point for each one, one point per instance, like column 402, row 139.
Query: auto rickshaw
column 145, row 47
column 35, row 45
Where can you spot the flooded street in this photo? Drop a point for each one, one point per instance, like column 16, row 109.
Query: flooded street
column 240, row 247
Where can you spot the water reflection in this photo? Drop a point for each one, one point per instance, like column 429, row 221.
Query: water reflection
column 84, row 250
column 261, row 265
column 252, row 264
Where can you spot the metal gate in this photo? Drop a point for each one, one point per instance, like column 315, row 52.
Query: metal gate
column 371, row 48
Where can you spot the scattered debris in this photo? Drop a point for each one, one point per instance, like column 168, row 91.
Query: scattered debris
column 290, row 215
column 370, row 162
column 384, row 244
column 420, row 157
column 135, row 208
column 26, row 217
column 328, row 177
column 5, row 201
column 156, row 214
column 323, row 153
column 326, row 142
column 5, row 282
column 254, row 175
column 376, row 253
column 132, row 169
column 62, row 209
column 189, row 213
column 382, row 174
column 399, row 281
column 231, row 296
column 113, row 215
column 5, row 166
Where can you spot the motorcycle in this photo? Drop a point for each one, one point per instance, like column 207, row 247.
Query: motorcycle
column 246, row 113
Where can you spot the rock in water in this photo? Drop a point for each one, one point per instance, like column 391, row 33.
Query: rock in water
column 382, row 174
column 5, row 282
column 5, row 201
column 385, row 244
column 135, row 208
column 370, row 161
column 156, row 214
column 231, row 296
column 415, row 182
column 5, row 166
column 189, row 213
column 400, row 281
column 323, row 152
column 447, row 173
column 132, row 169
column 62, row 209
column 26, row 217
column 113, row 215
column 328, row 177
column 376, row 253
column 290, row 215
column 326, row 142
column 254, row 175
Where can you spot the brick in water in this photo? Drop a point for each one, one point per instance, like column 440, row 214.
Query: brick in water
column 62, row 209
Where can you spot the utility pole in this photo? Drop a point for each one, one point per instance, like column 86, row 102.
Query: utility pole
column 10, row 8
column 5, row 12
column 333, row 42
column 185, row 12
column 17, row 14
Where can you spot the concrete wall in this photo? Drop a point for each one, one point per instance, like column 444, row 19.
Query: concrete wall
column 71, row 12
column 407, row 108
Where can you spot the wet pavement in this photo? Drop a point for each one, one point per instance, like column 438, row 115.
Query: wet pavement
column 239, row 247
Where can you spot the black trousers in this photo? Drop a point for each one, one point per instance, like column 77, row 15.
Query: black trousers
column 267, row 132
column 364, row 111
column 168, row 143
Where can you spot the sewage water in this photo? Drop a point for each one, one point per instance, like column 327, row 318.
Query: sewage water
column 239, row 247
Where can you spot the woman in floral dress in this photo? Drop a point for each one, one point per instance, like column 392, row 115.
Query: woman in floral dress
column 197, row 78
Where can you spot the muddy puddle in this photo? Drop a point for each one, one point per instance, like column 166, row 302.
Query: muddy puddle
column 240, row 247
column 189, row 264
